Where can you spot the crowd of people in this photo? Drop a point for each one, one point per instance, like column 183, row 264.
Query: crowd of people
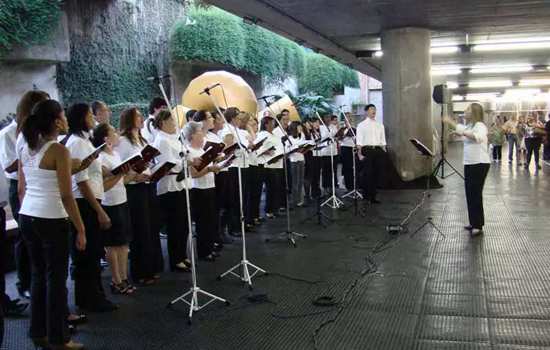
column 524, row 136
column 78, row 199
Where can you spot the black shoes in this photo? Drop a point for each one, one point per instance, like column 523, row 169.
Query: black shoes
column 468, row 228
column 13, row 308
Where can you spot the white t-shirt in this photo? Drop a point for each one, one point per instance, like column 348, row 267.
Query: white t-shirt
column 213, row 137
column 126, row 149
column 7, row 148
column 206, row 181
column 117, row 194
column 170, row 148
column 475, row 151
column 296, row 142
column 238, row 135
column 81, row 147
column 271, row 141
column 148, row 131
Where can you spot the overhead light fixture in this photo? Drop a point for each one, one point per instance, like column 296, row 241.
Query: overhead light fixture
column 443, row 50
column 534, row 82
column 500, row 69
column 452, row 85
column 457, row 98
column 521, row 92
column 449, row 70
column 489, row 83
column 481, row 96
column 378, row 54
column 512, row 46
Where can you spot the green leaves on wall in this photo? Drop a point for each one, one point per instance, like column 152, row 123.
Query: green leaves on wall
column 26, row 22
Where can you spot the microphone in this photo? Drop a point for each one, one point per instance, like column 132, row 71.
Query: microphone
column 159, row 77
column 208, row 88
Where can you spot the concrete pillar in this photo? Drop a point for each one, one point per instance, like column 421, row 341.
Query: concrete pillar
column 407, row 97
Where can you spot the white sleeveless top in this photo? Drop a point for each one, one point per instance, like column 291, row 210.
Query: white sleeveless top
column 42, row 197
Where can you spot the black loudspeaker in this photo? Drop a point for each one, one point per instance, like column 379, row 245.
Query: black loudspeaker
column 441, row 94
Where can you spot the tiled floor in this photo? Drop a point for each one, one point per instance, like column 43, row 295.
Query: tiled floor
column 427, row 292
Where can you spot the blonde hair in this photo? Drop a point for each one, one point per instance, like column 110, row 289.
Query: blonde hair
column 476, row 111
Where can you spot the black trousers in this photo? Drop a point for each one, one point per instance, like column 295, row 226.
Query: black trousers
column 174, row 208
column 142, row 246
column 274, row 191
column 47, row 241
column 326, row 172
column 497, row 152
column 315, row 176
column 86, row 265
column 533, row 147
column 3, row 250
column 347, row 166
column 371, row 171
column 223, row 221
column 474, row 180
column 156, row 224
column 203, row 204
column 256, row 181
column 22, row 260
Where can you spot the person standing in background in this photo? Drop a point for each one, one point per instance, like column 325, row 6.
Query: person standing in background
column 148, row 131
column 102, row 113
column 496, row 139
column 511, row 130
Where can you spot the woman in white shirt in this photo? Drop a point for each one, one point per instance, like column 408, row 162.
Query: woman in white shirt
column 256, row 176
column 145, row 249
column 476, row 163
column 297, row 164
column 88, row 191
column 203, row 193
column 274, row 173
column 47, row 203
column 170, row 192
column 117, row 237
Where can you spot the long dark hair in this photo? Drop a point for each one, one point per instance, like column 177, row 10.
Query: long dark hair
column 76, row 116
column 100, row 133
column 126, row 124
column 41, row 122
column 199, row 116
column 293, row 129
column 264, row 122
column 27, row 103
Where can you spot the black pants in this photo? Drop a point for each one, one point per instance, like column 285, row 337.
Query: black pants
column 222, row 205
column 203, row 204
column 497, row 152
column 326, row 172
column 474, row 179
column 347, row 166
column 371, row 171
column 315, row 176
column 86, row 265
column 142, row 246
column 256, row 182
column 47, row 241
column 174, row 208
column 3, row 297
column 22, row 260
column 533, row 147
column 274, row 191
column 156, row 224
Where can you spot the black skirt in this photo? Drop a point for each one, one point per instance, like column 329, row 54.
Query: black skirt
column 119, row 234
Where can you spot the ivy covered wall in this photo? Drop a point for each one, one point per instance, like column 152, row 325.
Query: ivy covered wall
column 115, row 46
column 24, row 23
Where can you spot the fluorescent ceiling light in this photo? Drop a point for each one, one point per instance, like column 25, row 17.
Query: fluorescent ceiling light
column 512, row 46
column 534, row 82
column 458, row 98
column 450, row 70
column 378, row 53
column 481, row 96
column 522, row 91
column 489, row 83
column 442, row 50
column 499, row 69
column 452, row 85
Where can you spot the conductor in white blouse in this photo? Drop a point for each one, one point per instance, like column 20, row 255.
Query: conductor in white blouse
column 476, row 163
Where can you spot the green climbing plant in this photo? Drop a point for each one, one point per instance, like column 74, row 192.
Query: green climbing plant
column 27, row 22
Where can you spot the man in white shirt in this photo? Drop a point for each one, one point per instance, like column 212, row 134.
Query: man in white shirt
column 102, row 112
column 148, row 131
column 371, row 140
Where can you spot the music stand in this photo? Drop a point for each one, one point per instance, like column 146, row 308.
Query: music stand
column 428, row 154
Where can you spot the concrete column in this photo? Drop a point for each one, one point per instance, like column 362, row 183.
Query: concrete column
column 407, row 97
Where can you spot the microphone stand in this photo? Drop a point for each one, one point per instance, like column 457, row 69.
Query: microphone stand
column 246, row 276
column 289, row 234
column 194, row 290
column 354, row 193
column 333, row 201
